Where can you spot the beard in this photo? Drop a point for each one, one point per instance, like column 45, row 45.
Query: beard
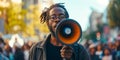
column 51, row 30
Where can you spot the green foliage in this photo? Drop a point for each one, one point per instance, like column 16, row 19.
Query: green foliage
column 114, row 13
column 15, row 17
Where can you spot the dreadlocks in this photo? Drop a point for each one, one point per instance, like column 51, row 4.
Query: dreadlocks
column 45, row 15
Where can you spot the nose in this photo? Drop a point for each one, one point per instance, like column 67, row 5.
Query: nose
column 57, row 20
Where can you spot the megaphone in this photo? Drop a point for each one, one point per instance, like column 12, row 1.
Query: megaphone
column 68, row 31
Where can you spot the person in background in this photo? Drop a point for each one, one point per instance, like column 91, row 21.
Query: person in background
column 18, row 53
column 99, row 50
column 107, row 54
column 2, row 56
column 116, row 56
column 26, row 49
column 2, row 43
column 8, row 52
column 92, row 51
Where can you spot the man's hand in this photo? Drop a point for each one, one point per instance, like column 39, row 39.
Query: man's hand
column 66, row 52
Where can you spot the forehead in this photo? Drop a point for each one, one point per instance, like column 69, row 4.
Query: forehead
column 56, row 11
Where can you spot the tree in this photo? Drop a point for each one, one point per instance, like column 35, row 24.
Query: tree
column 33, row 17
column 114, row 13
column 15, row 18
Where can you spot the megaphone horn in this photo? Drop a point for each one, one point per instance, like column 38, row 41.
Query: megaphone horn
column 68, row 31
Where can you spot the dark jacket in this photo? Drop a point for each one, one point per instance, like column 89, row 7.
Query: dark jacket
column 38, row 52
column 19, row 55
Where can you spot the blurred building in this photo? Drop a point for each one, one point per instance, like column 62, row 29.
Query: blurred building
column 1, row 25
column 27, row 3
column 4, row 4
column 95, row 19
column 45, row 4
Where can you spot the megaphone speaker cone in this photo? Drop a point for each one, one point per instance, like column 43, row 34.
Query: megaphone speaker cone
column 68, row 31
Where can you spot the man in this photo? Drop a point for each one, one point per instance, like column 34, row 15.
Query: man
column 50, row 48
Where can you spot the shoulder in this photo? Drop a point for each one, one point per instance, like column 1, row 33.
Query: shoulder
column 35, row 45
column 40, row 43
column 79, row 46
column 33, row 49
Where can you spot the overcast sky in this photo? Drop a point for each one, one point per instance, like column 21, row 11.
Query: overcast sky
column 80, row 9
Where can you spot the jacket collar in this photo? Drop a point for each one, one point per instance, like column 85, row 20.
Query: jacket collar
column 42, row 44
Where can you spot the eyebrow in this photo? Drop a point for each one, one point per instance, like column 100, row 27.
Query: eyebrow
column 55, row 14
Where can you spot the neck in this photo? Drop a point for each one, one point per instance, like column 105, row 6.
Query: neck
column 54, row 41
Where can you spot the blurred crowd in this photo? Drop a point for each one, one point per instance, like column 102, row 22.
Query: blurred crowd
column 16, row 52
column 97, row 50
column 104, row 51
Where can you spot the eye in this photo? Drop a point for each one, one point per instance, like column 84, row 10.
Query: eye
column 61, row 16
column 52, row 17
